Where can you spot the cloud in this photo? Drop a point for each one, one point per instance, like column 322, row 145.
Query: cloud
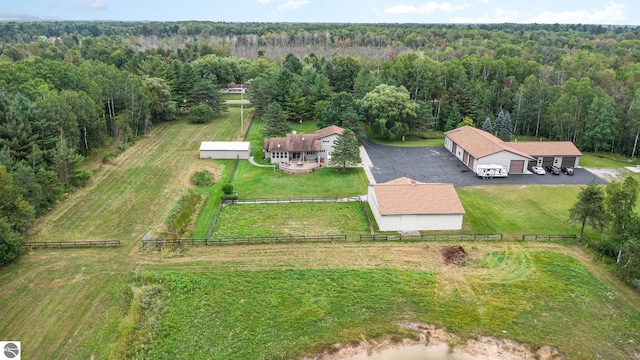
column 613, row 13
column 9, row 16
column 428, row 8
column 497, row 16
column 292, row 4
column 92, row 5
column 284, row 5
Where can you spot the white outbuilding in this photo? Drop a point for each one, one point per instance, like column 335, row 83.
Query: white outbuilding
column 404, row 204
column 225, row 150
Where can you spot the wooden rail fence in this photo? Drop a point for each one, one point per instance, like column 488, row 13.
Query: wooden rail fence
column 246, row 240
column 433, row 237
column 548, row 237
column 70, row 244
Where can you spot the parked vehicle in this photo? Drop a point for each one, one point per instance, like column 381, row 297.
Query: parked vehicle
column 538, row 170
column 567, row 170
column 554, row 170
column 489, row 171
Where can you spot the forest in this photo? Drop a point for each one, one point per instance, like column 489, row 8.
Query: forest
column 70, row 90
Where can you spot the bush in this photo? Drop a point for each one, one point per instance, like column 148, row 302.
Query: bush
column 606, row 248
column 10, row 243
column 202, row 178
column 200, row 114
column 227, row 189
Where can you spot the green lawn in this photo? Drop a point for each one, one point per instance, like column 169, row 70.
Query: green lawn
column 518, row 209
column 291, row 219
column 606, row 160
column 430, row 138
column 257, row 182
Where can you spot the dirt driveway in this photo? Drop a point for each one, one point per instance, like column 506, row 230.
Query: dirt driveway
column 438, row 165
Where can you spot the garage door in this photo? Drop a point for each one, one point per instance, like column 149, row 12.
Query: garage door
column 516, row 167
column 568, row 161
column 547, row 161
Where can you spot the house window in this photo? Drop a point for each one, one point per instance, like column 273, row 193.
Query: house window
column 310, row 153
column 325, row 141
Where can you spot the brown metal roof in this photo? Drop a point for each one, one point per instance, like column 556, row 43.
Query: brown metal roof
column 404, row 196
column 547, row 148
column 480, row 143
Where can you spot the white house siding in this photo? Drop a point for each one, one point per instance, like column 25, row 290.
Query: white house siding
column 225, row 150
column 223, row 154
column 326, row 146
column 448, row 144
column 500, row 158
column 419, row 222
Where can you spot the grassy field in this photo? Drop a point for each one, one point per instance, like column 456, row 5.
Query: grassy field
column 283, row 301
column 133, row 194
column 606, row 160
column 537, row 297
column 291, row 219
column 518, row 209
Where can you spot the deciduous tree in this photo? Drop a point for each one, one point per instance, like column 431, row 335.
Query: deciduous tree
column 590, row 208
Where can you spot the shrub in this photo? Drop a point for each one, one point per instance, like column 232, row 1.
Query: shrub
column 227, row 189
column 606, row 248
column 202, row 178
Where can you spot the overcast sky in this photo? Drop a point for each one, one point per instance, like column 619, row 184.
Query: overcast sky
column 615, row 12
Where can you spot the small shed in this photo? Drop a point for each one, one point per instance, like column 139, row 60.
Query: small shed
column 225, row 150
column 404, row 204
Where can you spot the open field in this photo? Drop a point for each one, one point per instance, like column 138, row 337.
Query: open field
column 133, row 194
column 264, row 300
column 285, row 301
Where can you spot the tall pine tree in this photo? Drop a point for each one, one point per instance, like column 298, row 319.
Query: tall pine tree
column 503, row 125
column 346, row 150
column 275, row 122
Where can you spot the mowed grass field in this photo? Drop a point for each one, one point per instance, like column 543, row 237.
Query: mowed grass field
column 134, row 194
column 285, row 301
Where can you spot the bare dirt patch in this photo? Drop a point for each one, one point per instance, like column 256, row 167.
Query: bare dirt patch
column 433, row 343
column 453, row 255
column 609, row 174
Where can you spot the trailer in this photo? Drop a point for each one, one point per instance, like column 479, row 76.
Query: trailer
column 491, row 171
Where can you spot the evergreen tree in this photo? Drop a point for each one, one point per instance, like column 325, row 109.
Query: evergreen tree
column 275, row 122
column 503, row 125
column 453, row 119
column 346, row 150
column 208, row 93
column 487, row 126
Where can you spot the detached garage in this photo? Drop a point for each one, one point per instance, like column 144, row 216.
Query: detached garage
column 225, row 150
column 477, row 147
column 404, row 204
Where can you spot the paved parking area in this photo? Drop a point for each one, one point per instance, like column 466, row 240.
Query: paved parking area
column 438, row 165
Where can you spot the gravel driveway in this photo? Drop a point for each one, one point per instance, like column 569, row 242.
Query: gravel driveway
column 438, row 165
